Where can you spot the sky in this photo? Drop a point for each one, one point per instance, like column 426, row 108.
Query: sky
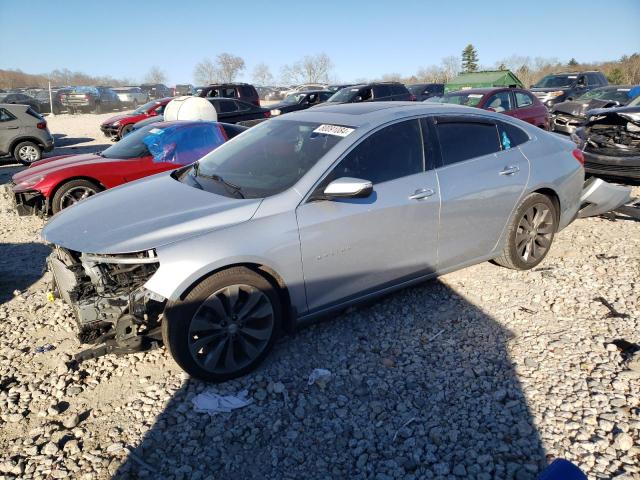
column 364, row 39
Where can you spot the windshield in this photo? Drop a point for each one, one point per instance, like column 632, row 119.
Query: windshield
column 553, row 81
column 461, row 98
column 131, row 146
column 84, row 90
column 293, row 99
column 620, row 95
column 344, row 95
column 266, row 159
column 634, row 102
column 416, row 89
column 145, row 107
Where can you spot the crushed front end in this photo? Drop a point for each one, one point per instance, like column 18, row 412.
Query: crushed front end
column 611, row 142
column 112, row 308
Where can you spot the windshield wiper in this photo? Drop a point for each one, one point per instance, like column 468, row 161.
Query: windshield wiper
column 236, row 188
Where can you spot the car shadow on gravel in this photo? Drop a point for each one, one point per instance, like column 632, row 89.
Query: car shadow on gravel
column 422, row 386
column 21, row 265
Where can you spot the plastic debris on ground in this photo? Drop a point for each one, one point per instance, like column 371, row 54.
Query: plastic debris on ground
column 212, row 403
column 44, row 348
column 320, row 376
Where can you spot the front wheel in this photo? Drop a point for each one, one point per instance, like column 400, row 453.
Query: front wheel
column 530, row 233
column 72, row 192
column 225, row 326
column 124, row 131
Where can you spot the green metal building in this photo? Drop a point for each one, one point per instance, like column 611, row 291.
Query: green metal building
column 488, row 78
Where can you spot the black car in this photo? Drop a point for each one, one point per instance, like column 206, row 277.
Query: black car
column 45, row 103
column 372, row 92
column 423, row 91
column 231, row 110
column 300, row 101
column 88, row 99
column 20, row 99
column 156, row 90
column 569, row 115
column 560, row 87
column 242, row 91
column 610, row 141
column 339, row 86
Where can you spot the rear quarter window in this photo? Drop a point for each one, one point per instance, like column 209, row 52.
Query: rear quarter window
column 247, row 91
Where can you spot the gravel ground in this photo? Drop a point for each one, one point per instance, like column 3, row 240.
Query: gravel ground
column 484, row 373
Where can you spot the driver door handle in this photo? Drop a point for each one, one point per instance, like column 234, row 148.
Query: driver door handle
column 421, row 194
column 510, row 170
column 12, row 128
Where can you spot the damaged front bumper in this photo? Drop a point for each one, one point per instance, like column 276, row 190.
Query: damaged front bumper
column 600, row 197
column 112, row 308
column 29, row 202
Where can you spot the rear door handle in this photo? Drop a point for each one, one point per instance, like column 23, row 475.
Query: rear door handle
column 510, row 170
column 421, row 194
column 12, row 128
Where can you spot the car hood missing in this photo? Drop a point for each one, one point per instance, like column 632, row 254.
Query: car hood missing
column 578, row 108
column 144, row 215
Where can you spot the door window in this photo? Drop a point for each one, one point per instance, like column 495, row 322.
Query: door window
column 510, row 135
column 393, row 152
column 229, row 92
column 242, row 107
column 500, row 102
column 228, row 106
column 523, row 100
column 380, row 91
column 460, row 141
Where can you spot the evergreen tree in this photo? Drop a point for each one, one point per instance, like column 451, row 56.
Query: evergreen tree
column 469, row 59
column 572, row 63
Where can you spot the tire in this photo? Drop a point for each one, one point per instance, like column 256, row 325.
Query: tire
column 98, row 108
column 72, row 192
column 125, row 130
column 207, row 307
column 27, row 152
column 530, row 233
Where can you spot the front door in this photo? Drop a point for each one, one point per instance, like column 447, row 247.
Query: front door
column 354, row 246
column 481, row 180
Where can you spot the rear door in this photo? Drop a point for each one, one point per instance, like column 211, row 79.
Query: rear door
column 481, row 181
column 381, row 93
column 357, row 245
column 9, row 129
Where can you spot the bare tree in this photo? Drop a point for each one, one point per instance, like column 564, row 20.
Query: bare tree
column 391, row 77
column 155, row 75
column 262, row 75
column 205, row 72
column 450, row 67
column 229, row 67
column 311, row 69
column 431, row 74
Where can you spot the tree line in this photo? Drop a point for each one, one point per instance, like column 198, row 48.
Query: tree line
column 319, row 68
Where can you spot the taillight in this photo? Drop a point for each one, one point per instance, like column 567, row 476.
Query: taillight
column 42, row 125
column 256, row 103
column 412, row 98
column 267, row 114
column 578, row 155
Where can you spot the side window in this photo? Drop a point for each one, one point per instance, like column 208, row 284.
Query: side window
column 229, row 92
column 510, row 135
column 499, row 102
column 380, row 91
column 460, row 141
column 523, row 100
column 393, row 152
column 6, row 115
column 160, row 109
column 365, row 94
column 312, row 98
column 227, row 106
column 324, row 96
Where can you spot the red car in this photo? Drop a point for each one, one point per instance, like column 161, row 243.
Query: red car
column 515, row 102
column 118, row 126
column 53, row 184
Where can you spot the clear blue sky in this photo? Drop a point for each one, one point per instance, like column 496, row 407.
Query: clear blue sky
column 365, row 39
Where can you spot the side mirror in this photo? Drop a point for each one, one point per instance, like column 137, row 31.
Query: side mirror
column 347, row 187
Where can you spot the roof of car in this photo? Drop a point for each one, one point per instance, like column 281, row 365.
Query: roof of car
column 483, row 90
column 359, row 114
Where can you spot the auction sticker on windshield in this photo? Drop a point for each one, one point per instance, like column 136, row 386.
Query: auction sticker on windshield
column 334, row 130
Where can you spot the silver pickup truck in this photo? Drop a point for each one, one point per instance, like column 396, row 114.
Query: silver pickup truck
column 131, row 96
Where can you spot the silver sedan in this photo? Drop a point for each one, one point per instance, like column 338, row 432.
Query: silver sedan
column 303, row 215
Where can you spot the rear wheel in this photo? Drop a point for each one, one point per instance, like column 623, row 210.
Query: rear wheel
column 225, row 326
column 27, row 152
column 72, row 192
column 530, row 233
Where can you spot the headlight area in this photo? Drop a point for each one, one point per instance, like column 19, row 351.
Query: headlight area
column 28, row 201
column 113, row 310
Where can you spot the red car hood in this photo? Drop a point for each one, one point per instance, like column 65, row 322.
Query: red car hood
column 50, row 165
column 126, row 116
